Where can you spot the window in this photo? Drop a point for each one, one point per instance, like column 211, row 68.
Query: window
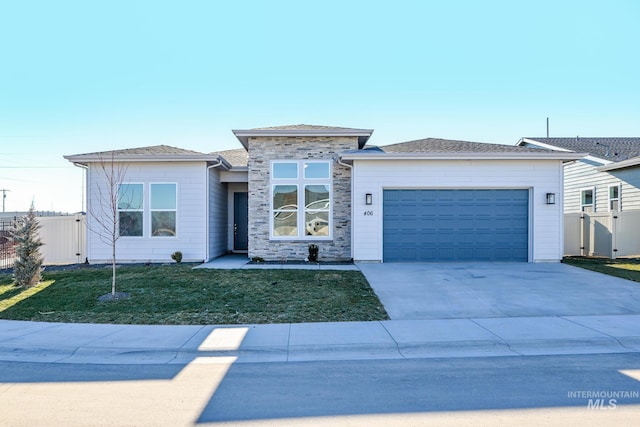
column 130, row 209
column 587, row 200
column 163, row 207
column 614, row 198
column 301, row 199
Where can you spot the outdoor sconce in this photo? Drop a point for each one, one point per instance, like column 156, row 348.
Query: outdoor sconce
column 551, row 198
column 368, row 199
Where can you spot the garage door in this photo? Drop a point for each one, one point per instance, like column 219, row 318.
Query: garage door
column 456, row 225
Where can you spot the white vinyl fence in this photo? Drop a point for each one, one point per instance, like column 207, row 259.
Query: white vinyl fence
column 608, row 234
column 64, row 239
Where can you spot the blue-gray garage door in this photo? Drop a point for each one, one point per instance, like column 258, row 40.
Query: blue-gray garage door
column 456, row 225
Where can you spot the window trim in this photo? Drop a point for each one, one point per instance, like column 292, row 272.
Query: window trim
column 151, row 210
column 301, row 182
column 618, row 199
column 142, row 210
column 593, row 199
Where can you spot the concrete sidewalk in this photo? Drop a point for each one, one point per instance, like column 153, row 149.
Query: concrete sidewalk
column 393, row 339
column 239, row 261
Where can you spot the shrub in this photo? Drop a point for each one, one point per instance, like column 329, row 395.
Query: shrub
column 177, row 256
column 27, row 269
column 313, row 252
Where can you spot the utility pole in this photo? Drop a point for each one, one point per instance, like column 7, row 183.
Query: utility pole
column 4, row 196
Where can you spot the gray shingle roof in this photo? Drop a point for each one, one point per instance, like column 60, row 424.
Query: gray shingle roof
column 613, row 149
column 437, row 145
column 304, row 127
column 235, row 157
column 147, row 151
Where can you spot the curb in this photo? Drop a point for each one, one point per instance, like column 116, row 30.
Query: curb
column 305, row 353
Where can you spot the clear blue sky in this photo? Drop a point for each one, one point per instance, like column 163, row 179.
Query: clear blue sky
column 84, row 76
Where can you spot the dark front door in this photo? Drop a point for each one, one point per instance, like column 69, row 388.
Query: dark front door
column 240, row 221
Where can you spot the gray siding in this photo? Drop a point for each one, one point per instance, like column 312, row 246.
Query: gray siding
column 217, row 214
column 584, row 174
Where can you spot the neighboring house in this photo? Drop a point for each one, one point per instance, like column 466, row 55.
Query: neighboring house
column 290, row 186
column 601, row 194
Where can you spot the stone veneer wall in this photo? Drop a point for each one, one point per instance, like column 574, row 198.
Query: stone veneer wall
column 264, row 149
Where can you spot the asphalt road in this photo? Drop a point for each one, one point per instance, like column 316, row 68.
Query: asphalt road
column 549, row 390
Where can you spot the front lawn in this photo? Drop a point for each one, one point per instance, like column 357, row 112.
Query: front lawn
column 177, row 295
column 626, row 268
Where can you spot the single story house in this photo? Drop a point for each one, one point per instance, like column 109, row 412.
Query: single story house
column 292, row 186
column 601, row 194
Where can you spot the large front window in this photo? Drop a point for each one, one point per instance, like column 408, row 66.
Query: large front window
column 301, row 199
column 130, row 209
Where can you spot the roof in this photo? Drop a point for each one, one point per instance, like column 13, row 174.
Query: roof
column 305, row 127
column 152, row 150
column 612, row 149
column 243, row 135
column 146, row 154
column 237, row 157
column 446, row 149
column 437, row 145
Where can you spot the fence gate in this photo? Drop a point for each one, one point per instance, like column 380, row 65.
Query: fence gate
column 64, row 239
column 608, row 234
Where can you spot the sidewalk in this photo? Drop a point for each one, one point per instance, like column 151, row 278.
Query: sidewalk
column 393, row 339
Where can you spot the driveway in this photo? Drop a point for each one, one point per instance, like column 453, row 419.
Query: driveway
column 475, row 290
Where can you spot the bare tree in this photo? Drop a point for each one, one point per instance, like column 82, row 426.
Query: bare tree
column 104, row 207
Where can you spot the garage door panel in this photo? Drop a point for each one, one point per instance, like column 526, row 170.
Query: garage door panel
column 456, row 225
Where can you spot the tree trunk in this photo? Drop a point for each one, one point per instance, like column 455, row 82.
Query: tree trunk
column 113, row 269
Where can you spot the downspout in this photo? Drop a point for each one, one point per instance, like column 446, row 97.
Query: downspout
column 86, row 184
column 86, row 210
column 206, row 208
column 341, row 163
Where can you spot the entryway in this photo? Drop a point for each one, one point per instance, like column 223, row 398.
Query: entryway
column 240, row 221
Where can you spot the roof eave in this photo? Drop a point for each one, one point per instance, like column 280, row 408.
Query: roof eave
column 541, row 144
column 244, row 135
column 84, row 159
column 620, row 165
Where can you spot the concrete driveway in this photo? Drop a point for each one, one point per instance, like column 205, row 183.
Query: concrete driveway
column 412, row 291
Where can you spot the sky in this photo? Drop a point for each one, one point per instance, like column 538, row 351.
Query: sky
column 86, row 76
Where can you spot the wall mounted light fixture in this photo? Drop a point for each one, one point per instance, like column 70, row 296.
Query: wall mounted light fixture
column 551, row 198
column 368, row 199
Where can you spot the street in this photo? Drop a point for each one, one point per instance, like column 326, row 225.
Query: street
column 552, row 390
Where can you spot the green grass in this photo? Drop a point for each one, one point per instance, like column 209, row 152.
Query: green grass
column 626, row 268
column 177, row 294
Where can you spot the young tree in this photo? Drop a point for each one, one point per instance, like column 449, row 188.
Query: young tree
column 27, row 269
column 104, row 207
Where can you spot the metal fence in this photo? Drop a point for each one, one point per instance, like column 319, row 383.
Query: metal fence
column 7, row 245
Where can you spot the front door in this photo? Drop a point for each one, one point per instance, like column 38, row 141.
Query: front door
column 240, row 221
